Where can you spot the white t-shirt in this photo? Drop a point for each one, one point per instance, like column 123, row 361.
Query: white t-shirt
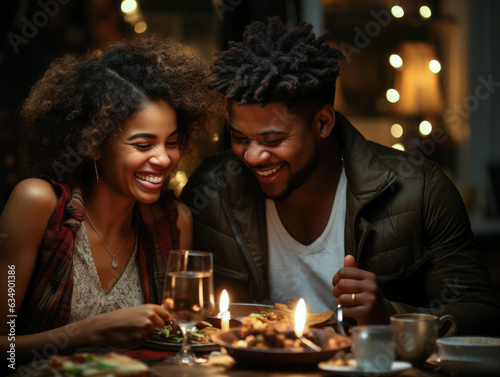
column 306, row 271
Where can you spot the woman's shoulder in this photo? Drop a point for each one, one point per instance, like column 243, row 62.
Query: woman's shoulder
column 36, row 194
column 27, row 213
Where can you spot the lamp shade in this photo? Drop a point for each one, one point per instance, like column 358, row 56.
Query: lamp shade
column 418, row 87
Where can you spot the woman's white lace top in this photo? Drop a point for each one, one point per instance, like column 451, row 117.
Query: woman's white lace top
column 88, row 297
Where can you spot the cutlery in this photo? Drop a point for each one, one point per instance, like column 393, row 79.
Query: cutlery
column 340, row 319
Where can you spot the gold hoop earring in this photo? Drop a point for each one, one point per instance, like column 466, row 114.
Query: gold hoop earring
column 96, row 173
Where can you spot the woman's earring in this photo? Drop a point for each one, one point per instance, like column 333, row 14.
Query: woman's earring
column 325, row 131
column 96, row 173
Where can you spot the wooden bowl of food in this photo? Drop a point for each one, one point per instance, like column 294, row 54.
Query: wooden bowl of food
column 263, row 343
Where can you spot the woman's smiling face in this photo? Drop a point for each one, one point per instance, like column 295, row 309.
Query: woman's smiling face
column 137, row 162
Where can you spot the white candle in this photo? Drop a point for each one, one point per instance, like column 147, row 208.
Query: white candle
column 223, row 308
column 225, row 321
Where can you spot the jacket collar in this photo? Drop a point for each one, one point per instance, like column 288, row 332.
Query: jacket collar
column 366, row 173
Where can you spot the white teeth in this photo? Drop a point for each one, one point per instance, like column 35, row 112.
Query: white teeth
column 150, row 178
column 268, row 172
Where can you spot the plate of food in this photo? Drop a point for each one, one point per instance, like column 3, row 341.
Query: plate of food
column 277, row 313
column 96, row 365
column 170, row 337
column 259, row 342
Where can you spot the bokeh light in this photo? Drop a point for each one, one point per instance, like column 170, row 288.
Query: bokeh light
column 396, row 130
column 128, row 6
column 397, row 11
column 425, row 12
column 425, row 127
column 392, row 95
column 399, row 146
column 140, row 27
column 434, row 66
column 396, row 61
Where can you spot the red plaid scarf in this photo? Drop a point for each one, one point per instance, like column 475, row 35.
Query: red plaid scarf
column 47, row 303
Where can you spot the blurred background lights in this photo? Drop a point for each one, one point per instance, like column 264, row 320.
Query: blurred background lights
column 396, row 130
column 425, row 128
column 215, row 138
column 177, row 182
column 392, row 95
column 397, row 11
column 128, row 6
column 140, row 27
column 399, row 146
column 434, row 66
column 181, row 177
column 425, row 12
column 396, row 61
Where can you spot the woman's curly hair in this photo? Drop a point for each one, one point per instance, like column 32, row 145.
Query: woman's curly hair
column 276, row 64
column 82, row 101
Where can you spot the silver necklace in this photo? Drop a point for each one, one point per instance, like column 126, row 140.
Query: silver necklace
column 114, row 262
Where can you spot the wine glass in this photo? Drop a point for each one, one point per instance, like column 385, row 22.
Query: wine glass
column 188, row 295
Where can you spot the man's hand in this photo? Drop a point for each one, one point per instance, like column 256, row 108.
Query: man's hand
column 358, row 293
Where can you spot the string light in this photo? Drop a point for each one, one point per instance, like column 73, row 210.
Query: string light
column 434, row 66
column 128, row 6
column 397, row 11
column 425, row 12
column 399, row 146
column 392, row 95
column 425, row 127
column 140, row 27
column 396, row 130
column 396, row 61
column 133, row 15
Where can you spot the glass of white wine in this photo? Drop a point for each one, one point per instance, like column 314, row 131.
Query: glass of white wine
column 188, row 295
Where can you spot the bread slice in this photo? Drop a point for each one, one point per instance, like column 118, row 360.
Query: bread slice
column 111, row 364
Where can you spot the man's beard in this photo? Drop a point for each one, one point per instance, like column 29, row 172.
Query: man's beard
column 297, row 179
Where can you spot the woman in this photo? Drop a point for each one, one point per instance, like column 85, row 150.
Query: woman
column 87, row 240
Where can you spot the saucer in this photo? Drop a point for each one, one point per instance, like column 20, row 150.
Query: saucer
column 396, row 367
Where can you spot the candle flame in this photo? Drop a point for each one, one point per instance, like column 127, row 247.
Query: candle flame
column 300, row 318
column 224, row 302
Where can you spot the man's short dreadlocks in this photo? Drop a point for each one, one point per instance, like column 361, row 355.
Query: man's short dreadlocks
column 276, row 64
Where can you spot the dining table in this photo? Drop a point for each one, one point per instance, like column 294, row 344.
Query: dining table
column 217, row 360
column 218, row 364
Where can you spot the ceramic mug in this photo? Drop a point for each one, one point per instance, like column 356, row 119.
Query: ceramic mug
column 374, row 347
column 416, row 335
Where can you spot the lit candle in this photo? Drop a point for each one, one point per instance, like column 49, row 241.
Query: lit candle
column 300, row 318
column 223, row 308
column 300, row 324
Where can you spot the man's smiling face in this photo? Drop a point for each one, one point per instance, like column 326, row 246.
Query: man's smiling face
column 280, row 148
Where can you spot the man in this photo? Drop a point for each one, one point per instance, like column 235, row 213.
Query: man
column 303, row 201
